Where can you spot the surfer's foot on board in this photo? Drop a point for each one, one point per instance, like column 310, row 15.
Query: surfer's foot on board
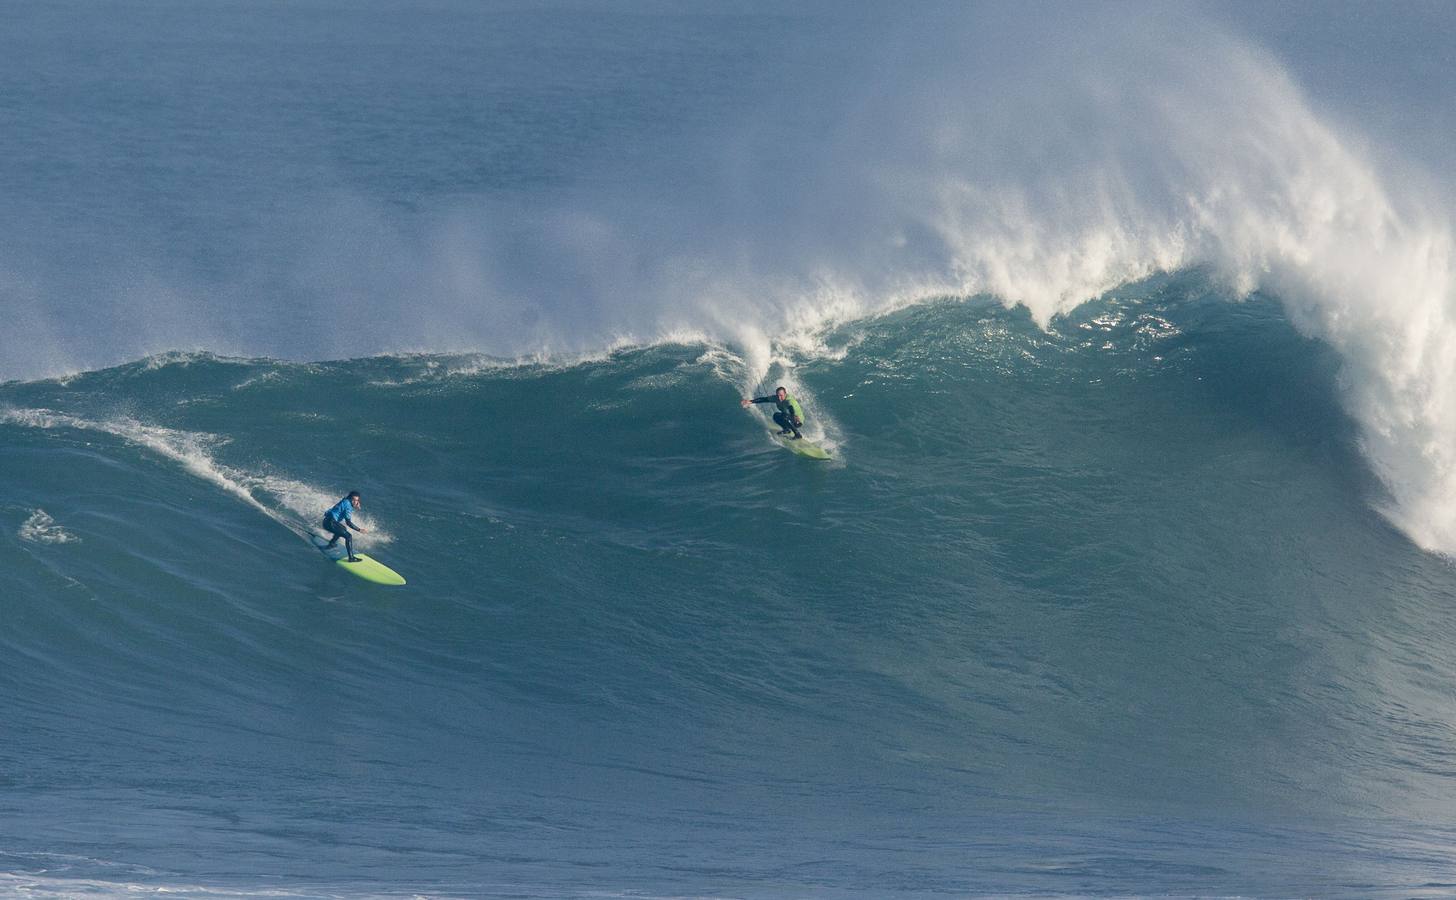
column 354, row 559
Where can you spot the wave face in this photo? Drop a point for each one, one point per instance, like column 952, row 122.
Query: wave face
column 1100, row 608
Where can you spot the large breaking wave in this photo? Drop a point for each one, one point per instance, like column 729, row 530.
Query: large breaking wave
column 957, row 152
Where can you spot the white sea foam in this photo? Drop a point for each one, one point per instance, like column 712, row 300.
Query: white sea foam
column 40, row 528
column 1253, row 182
column 46, row 887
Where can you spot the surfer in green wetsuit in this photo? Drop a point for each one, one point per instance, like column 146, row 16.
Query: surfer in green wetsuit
column 790, row 416
column 339, row 519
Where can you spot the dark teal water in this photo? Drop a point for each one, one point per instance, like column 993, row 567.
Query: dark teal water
column 1115, row 584
column 1097, row 610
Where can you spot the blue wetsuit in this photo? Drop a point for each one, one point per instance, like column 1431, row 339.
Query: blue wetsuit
column 337, row 521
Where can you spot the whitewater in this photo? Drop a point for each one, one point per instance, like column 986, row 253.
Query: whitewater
column 1131, row 337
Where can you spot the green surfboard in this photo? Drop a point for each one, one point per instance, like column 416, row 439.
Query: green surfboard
column 802, row 447
column 367, row 568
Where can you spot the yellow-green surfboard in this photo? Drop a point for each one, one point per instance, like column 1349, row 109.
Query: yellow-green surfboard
column 803, row 447
column 367, row 567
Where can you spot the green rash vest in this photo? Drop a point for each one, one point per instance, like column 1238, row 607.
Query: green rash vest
column 788, row 404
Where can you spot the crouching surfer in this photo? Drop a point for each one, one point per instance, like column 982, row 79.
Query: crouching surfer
column 789, row 417
column 339, row 519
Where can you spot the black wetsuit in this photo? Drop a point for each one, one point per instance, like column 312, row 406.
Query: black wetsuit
column 790, row 416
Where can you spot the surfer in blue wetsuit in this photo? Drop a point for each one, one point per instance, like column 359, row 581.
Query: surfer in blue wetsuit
column 339, row 519
column 790, row 416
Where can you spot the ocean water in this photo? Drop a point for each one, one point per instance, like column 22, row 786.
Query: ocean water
column 1130, row 575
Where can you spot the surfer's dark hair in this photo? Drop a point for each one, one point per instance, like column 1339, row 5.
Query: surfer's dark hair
column 352, row 495
column 781, row 388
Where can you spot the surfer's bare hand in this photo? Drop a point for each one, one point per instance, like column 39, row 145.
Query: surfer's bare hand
column 745, row 403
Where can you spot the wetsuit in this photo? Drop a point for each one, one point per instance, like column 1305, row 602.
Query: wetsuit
column 790, row 416
column 335, row 523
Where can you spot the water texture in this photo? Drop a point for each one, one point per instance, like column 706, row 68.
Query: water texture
column 1130, row 338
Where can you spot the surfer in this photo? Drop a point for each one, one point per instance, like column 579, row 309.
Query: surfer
column 339, row 519
column 790, row 416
